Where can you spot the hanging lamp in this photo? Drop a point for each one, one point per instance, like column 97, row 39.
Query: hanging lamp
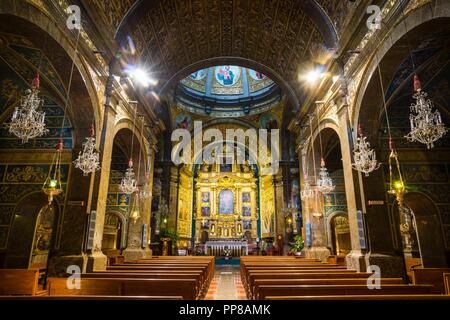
column 324, row 183
column 308, row 191
column 27, row 121
column 128, row 184
column 88, row 160
column 52, row 185
column 365, row 159
column 425, row 120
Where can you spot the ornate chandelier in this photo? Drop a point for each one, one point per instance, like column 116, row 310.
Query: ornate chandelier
column 324, row 183
column 128, row 185
column 364, row 156
column 52, row 185
column 27, row 122
column 145, row 192
column 308, row 190
column 88, row 159
column 426, row 124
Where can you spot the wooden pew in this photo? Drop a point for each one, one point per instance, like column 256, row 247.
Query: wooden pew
column 430, row 276
column 129, row 275
column 338, row 290
column 207, row 262
column 20, row 282
column 206, row 277
column 125, row 287
column 253, row 276
column 447, row 283
column 317, row 282
column 412, row 263
column 248, row 271
column 181, row 265
column 364, row 297
column 334, row 259
column 15, row 298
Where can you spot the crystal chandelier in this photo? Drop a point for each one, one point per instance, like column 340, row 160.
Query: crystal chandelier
column 88, row 159
column 324, row 183
column 426, row 124
column 128, row 185
column 145, row 192
column 27, row 122
column 308, row 190
column 364, row 156
column 52, row 185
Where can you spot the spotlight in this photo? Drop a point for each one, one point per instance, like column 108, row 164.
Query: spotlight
column 312, row 76
column 141, row 76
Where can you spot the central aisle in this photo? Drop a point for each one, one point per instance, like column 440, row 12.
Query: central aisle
column 226, row 284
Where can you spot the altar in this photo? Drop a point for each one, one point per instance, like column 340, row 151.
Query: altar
column 218, row 248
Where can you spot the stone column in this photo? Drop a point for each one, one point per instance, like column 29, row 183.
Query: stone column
column 382, row 230
column 72, row 228
column 355, row 259
column 137, row 247
column 279, row 207
column 313, row 214
column 97, row 260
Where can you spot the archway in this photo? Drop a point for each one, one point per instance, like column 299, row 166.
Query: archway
column 33, row 233
column 339, row 233
column 126, row 212
column 428, row 228
column 419, row 51
column 114, row 233
column 324, row 157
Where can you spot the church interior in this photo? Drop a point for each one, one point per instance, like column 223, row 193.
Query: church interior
column 225, row 149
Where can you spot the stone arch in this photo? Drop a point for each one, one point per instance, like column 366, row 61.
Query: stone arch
column 22, row 236
column 427, row 223
column 422, row 15
column 285, row 86
column 330, row 226
column 33, row 18
column 123, row 220
column 126, row 125
column 313, row 143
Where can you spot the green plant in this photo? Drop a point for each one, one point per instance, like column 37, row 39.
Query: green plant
column 298, row 244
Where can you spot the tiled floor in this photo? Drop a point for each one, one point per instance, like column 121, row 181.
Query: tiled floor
column 226, row 284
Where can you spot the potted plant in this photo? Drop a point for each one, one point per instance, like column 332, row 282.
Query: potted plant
column 298, row 245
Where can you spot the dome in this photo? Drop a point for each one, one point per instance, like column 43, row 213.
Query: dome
column 227, row 91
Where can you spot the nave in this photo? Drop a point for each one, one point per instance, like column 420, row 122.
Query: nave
column 224, row 150
column 256, row 278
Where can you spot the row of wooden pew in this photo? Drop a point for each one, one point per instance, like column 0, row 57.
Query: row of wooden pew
column 153, row 278
column 293, row 278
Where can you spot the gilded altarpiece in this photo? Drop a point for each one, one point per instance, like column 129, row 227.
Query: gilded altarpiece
column 267, row 207
column 214, row 188
column 184, row 223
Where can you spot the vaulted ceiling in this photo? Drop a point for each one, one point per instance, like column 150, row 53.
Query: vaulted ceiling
column 171, row 35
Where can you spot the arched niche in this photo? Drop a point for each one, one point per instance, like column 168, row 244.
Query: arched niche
column 114, row 233
column 428, row 229
column 338, row 231
column 33, row 232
